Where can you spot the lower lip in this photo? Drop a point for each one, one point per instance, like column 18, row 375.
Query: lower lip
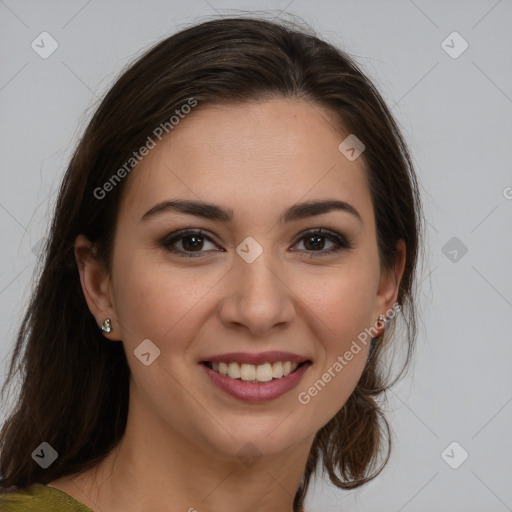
column 256, row 391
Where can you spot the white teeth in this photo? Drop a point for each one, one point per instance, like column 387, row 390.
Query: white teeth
column 234, row 370
column 264, row 372
column 250, row 372
column 247, row 372
column 277, row 370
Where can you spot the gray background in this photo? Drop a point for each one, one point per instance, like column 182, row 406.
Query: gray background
column 455, row 114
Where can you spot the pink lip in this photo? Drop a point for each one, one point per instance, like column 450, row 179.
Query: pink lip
column 256, row 358
column 256, row 391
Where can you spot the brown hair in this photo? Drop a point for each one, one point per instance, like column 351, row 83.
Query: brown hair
column 74, row 392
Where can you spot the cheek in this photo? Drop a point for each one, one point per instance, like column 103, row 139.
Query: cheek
column 341, row 300
column 339, row 307
column 158, row 302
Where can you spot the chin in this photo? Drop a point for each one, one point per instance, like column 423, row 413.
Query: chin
column 258, row 437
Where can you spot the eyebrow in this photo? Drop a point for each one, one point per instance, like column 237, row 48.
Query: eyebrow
column 214, row 212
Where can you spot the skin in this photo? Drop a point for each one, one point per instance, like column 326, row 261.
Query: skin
column 183, row 434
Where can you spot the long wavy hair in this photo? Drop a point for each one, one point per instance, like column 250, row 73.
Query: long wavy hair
column 74, row 386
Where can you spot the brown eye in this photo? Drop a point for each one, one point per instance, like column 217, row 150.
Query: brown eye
column 314, row 242
column 191, row 242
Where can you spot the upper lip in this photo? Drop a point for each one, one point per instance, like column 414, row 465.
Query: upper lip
column 255, row 358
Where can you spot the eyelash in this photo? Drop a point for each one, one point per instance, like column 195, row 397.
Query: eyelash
column 340, row 241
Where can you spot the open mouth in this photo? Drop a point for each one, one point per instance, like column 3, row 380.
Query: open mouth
column 261, row 373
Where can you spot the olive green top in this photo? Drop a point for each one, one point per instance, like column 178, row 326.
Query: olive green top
column 40, row 498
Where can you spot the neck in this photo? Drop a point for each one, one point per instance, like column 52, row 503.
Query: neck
column 156, row 468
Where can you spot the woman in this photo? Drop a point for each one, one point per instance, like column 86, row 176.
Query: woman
column 235, row 237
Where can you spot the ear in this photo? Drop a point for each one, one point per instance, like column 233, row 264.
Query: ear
column 389, row 284
column 96, row 285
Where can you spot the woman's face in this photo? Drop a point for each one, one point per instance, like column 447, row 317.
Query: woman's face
column 256, row 280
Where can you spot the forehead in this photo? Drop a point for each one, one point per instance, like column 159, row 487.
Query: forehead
column 251, row 157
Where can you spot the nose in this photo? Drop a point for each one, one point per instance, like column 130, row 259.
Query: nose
column 257, row 297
